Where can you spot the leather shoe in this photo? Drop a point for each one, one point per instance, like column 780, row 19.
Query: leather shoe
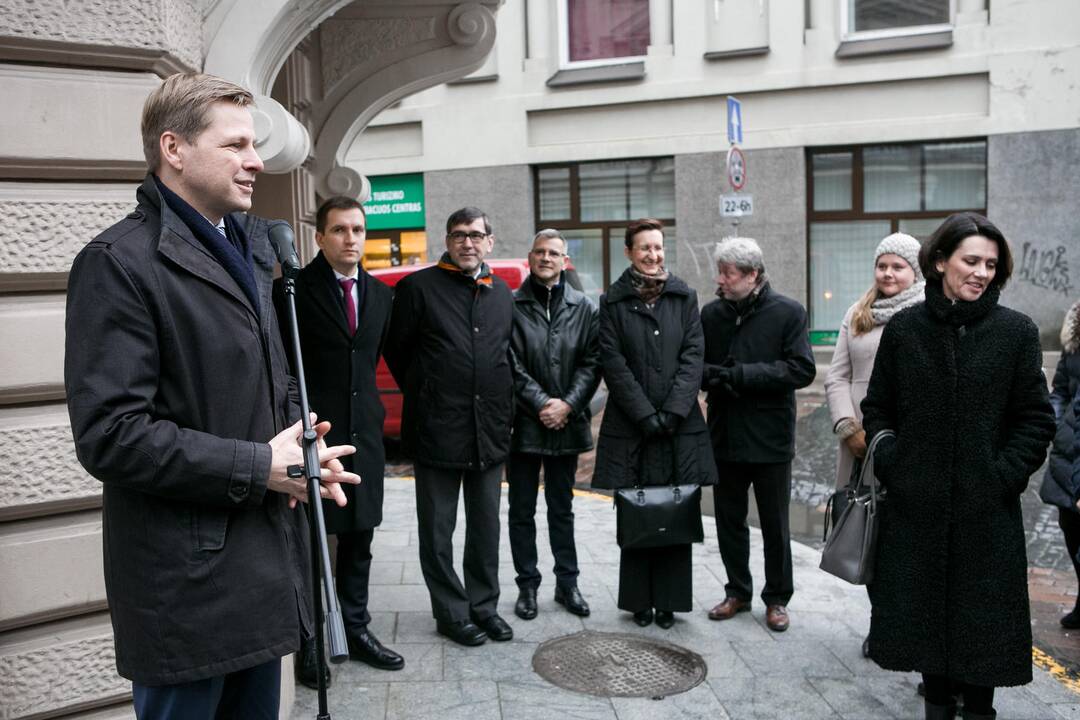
column 665, row 618
column 571, row 599
column 496, row 628
column 463, row 632
column 643, row 617
column 525, row 607
column 727, row 609
column 306, row 669
column 776, row 618
column 366, row 648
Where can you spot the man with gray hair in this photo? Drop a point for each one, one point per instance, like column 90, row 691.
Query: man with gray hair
column 556, row 361
column 757, row 353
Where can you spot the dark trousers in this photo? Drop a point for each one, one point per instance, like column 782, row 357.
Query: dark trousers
column 1069, row 522
column 437, row 491
column 253, row 693
column 523, row 475
column 940, row 690
column 772, row 490
column 352, row 572
column 656, row 578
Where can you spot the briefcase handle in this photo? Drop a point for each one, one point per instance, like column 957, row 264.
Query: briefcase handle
column 868, row 468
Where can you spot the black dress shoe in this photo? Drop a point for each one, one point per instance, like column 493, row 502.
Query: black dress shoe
column 496, row 628
column 463, row 632
column 571, row 599
column 525, row 608
column 665, row 619
column 643, row 617
column 306, row 669
column 366, row 648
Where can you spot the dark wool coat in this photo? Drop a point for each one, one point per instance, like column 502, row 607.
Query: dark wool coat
column 962, row 386
column 175, row 385
column 1059, row 487
column 340, row 371
column 766, row 341
column 449, row 351
column 651, row 361
column 554, row 358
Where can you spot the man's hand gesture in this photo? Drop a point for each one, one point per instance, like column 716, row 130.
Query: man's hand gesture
column 286, row 449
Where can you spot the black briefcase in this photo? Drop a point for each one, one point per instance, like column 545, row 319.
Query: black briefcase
column 658, row 516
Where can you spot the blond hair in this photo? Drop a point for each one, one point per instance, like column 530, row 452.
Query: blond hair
column 181, row 105
column 862, row 318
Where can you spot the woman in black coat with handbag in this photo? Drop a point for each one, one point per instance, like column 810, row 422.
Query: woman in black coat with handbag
column 959, row 378
column 653, row 432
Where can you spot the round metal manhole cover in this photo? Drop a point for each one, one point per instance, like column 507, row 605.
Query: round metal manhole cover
column 618, row 665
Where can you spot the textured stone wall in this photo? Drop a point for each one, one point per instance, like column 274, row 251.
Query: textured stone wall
column 1033, row 194
column 504, row 193
column 776, row 179
column 173, row 26
column 349, row 43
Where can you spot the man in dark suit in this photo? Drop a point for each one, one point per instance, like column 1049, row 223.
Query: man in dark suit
column 449, row 351
column 343, row 315
column 180, row 404
column 757, row 354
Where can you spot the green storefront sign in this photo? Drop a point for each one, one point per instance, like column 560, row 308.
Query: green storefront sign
column 824, row 337
column 397, row 202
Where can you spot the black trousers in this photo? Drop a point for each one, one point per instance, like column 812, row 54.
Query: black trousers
column 658, row 578
column 251, row 693
column 1069, row 522
column 352, row 573
column 772, row 490
column 940, row 690
column 437, row 491
column 523, row 475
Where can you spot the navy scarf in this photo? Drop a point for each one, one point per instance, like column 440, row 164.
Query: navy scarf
column 232, row 251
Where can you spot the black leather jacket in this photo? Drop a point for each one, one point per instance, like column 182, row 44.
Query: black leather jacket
column 555, row 355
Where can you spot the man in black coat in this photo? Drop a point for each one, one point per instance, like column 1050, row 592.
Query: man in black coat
column 343, row 315
column 180, row 403
column 556, row 372
column 757, row 353
column 448, row 349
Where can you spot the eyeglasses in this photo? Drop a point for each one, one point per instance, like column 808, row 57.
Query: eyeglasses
column 459, row 236
column 553, row 254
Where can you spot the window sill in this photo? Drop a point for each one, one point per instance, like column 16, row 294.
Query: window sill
column 741, row 52
column 469, row 79
column 625, row 72
column 899, row 43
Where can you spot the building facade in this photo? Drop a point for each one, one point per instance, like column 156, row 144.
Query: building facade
column 859, row 118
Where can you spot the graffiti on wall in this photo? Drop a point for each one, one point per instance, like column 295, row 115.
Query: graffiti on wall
column 1046, row 269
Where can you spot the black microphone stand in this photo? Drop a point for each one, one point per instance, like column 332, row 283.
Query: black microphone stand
column 320, row 553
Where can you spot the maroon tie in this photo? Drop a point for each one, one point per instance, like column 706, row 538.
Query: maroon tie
column 350, row 307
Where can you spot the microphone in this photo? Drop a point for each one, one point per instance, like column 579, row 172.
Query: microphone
column 281, row 237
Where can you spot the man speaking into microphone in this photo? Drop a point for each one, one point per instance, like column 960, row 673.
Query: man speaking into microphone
column 181, row 406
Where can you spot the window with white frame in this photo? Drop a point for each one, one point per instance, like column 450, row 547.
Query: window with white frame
column 602, row 32
column 883, row 18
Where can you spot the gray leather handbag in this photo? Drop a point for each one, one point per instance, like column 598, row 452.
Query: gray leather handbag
column 852, row 545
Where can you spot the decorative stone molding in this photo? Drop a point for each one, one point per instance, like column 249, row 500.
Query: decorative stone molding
column 469, row 24
column 46, row 224
column 80, row 652
column 51, row 479
column 348, row 43
column 33, row 330
column 160, row 28
column 281, row 141
column 343, row 180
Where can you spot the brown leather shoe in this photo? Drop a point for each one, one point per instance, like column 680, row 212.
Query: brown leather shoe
column 727, row 609
column 776, row 618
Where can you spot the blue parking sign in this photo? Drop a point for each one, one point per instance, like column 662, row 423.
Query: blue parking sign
column 734, row 121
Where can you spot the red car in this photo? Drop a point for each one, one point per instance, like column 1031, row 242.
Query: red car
column 514, row 272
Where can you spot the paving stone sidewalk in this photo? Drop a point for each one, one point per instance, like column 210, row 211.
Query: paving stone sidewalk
column 814, row 670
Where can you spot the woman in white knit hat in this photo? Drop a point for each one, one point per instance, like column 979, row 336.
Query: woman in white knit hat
column 898, row 283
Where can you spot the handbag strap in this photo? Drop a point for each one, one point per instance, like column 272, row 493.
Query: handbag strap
column 868, row 468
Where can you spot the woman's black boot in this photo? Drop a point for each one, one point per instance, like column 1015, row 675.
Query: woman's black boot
column 940, row 712
column 968, row 715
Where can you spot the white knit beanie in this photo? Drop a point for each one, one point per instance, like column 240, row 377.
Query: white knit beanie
column 906, row 247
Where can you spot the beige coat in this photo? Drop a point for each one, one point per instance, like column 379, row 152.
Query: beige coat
column 845, row 384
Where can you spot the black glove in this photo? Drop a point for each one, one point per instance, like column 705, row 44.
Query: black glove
column 652, row 426
column 720, row 375
column 669, row 421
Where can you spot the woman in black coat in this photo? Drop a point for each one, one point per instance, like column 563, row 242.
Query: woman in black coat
column 653, row 432
column 959, row 378
column 1059, row 486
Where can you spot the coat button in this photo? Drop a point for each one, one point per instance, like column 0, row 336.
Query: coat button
column 476, row 397
column 476, row 329
column 355, row 393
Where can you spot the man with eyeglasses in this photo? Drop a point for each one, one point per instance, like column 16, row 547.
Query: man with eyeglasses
column 556, row 356
column 448, row 349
